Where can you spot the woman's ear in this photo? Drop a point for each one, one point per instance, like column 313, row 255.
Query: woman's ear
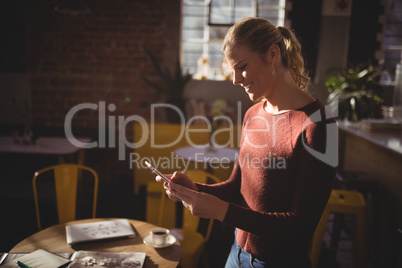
column 274, row 53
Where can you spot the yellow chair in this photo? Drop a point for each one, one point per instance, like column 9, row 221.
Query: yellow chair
column 347, row 202
column 192, row 242
column 67, row 178
column 229, row 136
column 158, row 148
column 174, row 137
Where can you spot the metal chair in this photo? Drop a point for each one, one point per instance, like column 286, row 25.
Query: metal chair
column 159, row 141
column 346, row 202
column 67, row 179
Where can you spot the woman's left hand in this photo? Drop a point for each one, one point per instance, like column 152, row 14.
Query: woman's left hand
column 200, row 204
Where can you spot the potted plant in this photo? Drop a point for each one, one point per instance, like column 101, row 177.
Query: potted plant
column 357, row 93
column 171, row 86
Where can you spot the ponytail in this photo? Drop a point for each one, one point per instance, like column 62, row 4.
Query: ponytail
column 259, row 34
column 292, row 58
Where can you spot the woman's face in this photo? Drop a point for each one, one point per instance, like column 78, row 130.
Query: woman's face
column 250, row 71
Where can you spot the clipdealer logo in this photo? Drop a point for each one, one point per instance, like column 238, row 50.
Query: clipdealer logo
column 107, row 132
column 107, row 128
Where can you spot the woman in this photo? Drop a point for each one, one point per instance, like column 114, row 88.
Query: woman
column 278, row 188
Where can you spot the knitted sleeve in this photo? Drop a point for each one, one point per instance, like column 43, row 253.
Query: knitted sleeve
column 228, row 190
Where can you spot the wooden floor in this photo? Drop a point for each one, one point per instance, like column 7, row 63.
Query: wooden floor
column 116, row 199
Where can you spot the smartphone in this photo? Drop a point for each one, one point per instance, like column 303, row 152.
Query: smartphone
column 157, row 172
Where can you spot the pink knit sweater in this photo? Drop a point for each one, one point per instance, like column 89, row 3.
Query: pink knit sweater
column 278, row 190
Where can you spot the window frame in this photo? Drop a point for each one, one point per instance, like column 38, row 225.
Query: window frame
column 205, row 42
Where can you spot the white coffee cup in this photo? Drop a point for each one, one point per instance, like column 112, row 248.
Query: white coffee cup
column 159, row 236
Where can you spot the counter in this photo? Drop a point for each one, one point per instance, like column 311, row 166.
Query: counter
column 379, row 154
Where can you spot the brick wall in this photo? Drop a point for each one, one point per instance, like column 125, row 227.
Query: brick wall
column 93, row 50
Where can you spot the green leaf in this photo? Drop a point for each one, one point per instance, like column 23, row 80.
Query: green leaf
column 360, row 82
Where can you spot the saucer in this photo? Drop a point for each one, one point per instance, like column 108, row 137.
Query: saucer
column 170, row 240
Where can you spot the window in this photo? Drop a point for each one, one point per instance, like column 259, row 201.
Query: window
column 392, row 37
column 205, row 23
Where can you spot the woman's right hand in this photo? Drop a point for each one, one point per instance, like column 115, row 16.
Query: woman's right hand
column 178, row 178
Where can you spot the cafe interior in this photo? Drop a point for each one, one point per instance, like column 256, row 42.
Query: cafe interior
column 109, row 85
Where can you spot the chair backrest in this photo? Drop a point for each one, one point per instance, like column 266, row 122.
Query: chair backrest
column 159, row 142
column 191, row 222
column 67, row 178
column 149, row 143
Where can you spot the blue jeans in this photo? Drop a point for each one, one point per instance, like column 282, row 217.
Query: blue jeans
column 239, row 258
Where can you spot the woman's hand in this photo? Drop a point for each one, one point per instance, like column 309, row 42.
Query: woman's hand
column 177, row 178
column 200, row 204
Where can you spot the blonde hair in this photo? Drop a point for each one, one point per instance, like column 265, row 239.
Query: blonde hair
column 259, row 34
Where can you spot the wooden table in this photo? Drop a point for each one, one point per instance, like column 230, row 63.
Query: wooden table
column 376, row 153
column 53, row 239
